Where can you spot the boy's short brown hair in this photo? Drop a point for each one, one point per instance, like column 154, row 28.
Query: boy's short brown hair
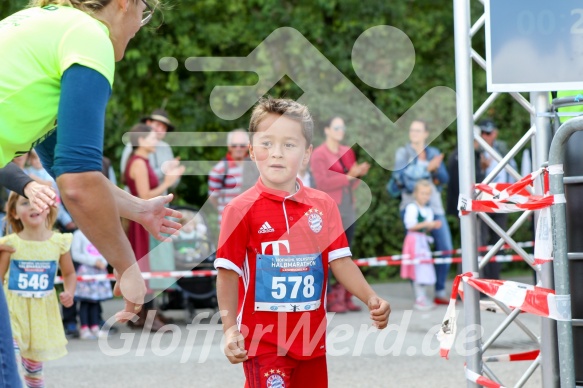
column 15, row 224
column 284, row 107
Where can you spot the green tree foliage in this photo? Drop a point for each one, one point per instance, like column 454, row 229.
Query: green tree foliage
column 187, row 28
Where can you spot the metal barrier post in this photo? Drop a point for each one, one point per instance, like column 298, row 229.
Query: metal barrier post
column 541, row 143
column 465, row 121
column 561, row 263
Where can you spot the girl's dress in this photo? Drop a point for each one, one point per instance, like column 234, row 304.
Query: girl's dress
column 87, row 255
column 416, row 245
column 137, row 234
column 32, row 300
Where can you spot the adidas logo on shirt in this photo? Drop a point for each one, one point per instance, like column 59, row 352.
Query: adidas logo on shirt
column 266, row 228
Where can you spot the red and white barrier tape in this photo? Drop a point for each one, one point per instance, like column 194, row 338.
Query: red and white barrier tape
column 512, row 198
column 446, row 334
column 485, row 248
column 147, row 275
column 381, row 261
column 543, row 249
column 481, row 380
column 532, row 299
column 370, row 262
column 535, row 202
column 506, row 191
column 388, row 262
column 531, row 355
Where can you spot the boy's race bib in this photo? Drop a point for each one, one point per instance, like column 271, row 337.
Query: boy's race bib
column 32, row 279
column 288, row 283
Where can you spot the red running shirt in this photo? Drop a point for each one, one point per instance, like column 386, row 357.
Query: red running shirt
column 281, row 247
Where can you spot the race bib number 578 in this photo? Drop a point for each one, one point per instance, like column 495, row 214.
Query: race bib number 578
column 288, row 283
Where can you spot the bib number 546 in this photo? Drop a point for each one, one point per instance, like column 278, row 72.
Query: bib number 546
column 279, row 286
column 34, row 281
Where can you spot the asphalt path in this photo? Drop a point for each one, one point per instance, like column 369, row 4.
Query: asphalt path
column 406, row 354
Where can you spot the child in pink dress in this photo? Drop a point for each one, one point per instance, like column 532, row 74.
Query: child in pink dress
column 418, row 267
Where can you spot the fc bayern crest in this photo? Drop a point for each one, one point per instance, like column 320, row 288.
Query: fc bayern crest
column 315, row 220
column 275, row 381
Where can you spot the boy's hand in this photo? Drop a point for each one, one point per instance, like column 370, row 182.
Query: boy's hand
column 436, row 224
column 66, row 299
column 379, row 312
column 235, row 346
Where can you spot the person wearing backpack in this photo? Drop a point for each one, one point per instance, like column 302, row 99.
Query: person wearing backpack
column 413, row 162
column 226, row 178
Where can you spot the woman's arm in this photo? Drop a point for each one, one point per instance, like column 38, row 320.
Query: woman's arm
column 13, row 178
column 438, row 173
column 139, row 173
column 152, row 214
column 324, row 177
column 91, row 199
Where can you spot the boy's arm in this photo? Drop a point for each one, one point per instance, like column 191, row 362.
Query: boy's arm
column 349, row 275
column 228, row 294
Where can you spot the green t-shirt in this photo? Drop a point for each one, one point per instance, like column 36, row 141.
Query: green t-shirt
column 37, row 46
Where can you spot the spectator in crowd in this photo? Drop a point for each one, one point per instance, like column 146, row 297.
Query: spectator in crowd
column 160, row 124
column 306, row 175
column 143, row 183
column 336, row 172
column 107, row 170
column 415, row 161
column 67, row 54
column 489, row 132
column 419, row 222
column 90, row 293
column 226, row 178
column 453, row 187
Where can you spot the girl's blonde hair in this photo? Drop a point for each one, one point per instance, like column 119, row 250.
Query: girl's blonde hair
column 422, row 183
column 15, row 224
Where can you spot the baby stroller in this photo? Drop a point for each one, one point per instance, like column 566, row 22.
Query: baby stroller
column 193, row 249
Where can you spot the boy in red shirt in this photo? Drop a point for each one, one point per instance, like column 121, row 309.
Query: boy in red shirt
column 277, row 241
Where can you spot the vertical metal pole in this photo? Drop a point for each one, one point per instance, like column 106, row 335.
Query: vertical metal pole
column 465, row 124
column 561, row 261
column 542, row 143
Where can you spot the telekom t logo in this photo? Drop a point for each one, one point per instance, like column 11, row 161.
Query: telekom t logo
column 274, row 246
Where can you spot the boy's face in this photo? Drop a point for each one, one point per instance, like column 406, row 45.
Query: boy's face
column 279, row 149
column 423, row 194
